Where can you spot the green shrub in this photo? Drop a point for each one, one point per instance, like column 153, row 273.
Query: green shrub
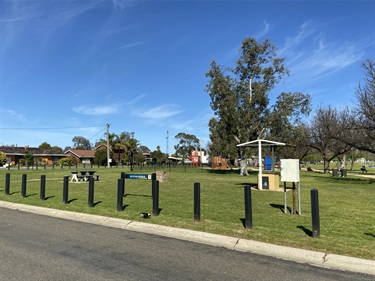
column 67, row 161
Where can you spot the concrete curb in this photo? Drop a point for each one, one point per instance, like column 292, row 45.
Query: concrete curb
column 315, row 258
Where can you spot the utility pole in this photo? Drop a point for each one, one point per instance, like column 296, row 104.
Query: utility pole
column 108, row 164
column 167, row 144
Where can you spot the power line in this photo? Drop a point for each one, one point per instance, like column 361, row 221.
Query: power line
column 46, row 128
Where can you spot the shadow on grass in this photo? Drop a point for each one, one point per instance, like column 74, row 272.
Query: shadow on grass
column 159, row 211
column 281, row 208
column 140, row 195
column 330, row 178
column 49, row 197
column 252, row 184
column 243, row 220
column 29, row 195
column 223, row 171
column 304, row 229
column 14, row 192
column 97, row 203
column 370, row 234
column 125, row 206
column 72, row 200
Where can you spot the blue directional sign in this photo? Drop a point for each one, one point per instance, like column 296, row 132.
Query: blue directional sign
column 138, row 176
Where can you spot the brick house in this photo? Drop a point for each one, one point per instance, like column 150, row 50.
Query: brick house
column 82, row 156
column 15, row 153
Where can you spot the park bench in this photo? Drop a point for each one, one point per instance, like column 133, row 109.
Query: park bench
column 363, row 169
column 85, row 178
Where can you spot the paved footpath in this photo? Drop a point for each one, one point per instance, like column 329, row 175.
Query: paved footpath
column 287, row 253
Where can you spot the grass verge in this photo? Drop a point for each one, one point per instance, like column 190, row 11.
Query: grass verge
column 347, row 209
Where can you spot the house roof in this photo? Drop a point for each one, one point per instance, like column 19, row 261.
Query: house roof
column 36, row 151
column 82, row 153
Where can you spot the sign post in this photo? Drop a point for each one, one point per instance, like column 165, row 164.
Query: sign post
column 290, row 173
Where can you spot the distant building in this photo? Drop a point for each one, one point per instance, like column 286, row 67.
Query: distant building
column 15, row 153
column 82, row 156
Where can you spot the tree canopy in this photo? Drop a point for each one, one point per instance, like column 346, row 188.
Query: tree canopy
column 186, row 143
column 80, row 142
column 240, row 99
column 364, row 135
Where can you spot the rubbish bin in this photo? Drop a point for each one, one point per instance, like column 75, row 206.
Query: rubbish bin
column 335, row 172
column 344, row 172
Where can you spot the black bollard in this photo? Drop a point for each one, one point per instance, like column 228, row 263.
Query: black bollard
column 91, row 192
column 315, row 213
column 120, row 195
column 155, row 198
column 248, row 207
column 66, row 190
column 153, row 176
column 123, row 176
column 42, row 187
column 23, row 189
column 7, row 184
column 197, row 201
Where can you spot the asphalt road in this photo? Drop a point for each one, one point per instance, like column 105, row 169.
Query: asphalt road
column 35, row 247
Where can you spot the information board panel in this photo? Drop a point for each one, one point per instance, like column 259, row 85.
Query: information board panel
column 289, row 170
column 138, row 176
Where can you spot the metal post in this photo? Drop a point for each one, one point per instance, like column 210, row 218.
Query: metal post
column 7, row 184
column 66, row 190
column 285, row 206
column 23, row 190
column 248, row 207
column 299, row 198
column 153, row 176
column 42, row 187
column 155, row 198
column 91, row 192
column 294, row 199
column 108, row 148
column 120, row 195
column 197, row 201
column 315, row 213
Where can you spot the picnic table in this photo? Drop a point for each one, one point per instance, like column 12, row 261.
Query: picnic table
column 82, row 175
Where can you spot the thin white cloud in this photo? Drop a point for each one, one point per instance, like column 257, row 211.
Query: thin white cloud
column 12, row 114
column 305, row 32
column 198, row 124
column 130, row 45
column 264, row 31
column 159, row 112
column 122, row 3
column 40, row 17
column 95, row 110
column 310, row 56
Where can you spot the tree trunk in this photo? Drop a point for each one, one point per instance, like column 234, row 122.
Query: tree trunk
column 243, row 167
column 326, row 166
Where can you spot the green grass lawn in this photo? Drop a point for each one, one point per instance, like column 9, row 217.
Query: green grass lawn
column 347, row 209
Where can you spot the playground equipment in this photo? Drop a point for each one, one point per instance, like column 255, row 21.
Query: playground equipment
column 219, row 162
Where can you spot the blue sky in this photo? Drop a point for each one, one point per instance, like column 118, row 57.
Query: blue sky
column 67, row 68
